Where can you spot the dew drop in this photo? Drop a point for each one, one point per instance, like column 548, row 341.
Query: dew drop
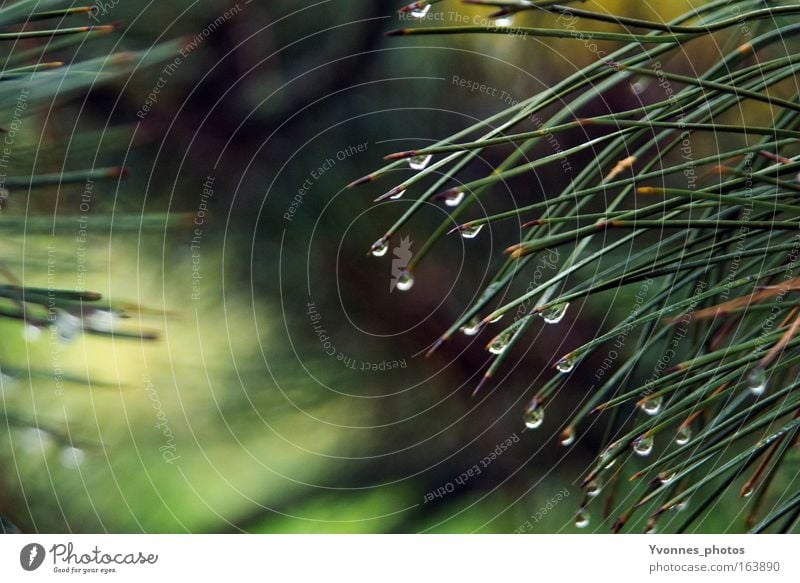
column 504, row 21
column 609, row 451
column 757, row 381
column 419, row 162
column 68, row 326
column 499, row 344
column 421, row 12
column 8, row 384
column 71, row 457
column 566, row 364
column 683, row 436
column 405, row 282
column 380, row 247
column 471, row 232
column 582, row 519
column 652, row 405
column 594, row 488
column 681, row 506
column 397, row 195
column 35, row 440
column 102, row 320
column 643, row 445
column 497, row 319
column 31, row 333
column 533, row 415
column 747, row 491
column 666, row 477
column 568, row 437
column 472, row 327
column 554, row 314
column 454, row 198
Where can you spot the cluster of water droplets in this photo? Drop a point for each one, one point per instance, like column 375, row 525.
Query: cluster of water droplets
column 36, row 441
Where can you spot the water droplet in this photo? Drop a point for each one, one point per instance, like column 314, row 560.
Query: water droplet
column 610, row 450
column 71, row 457
column 472, row 327
column 102, row 320
column 566, row 364
column 683, row 436
column 747, row 491
column 533, row 415
column 31, row 333
column 35, row 440
column 380, row 247
column 68, row 326
column 471, row 232
column 652, row 405
column 757, row 381
column 582, row 519
column 397, row 195
column 682, row 505
column 568, row 437
column 454, row 198
column 610, row 464
column 405, row 282
column 554, row 314
column 504, row 21
column 419, row 162
column 497, row 319
column 643, row 445
column 421, row 12
column 499, row 343
column 666, row 477
column 594, row 488
column 8, row 384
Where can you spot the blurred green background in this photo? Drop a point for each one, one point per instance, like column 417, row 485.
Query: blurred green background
column 288, row 391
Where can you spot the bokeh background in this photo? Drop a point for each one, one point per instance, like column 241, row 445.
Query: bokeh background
column 288, row 391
